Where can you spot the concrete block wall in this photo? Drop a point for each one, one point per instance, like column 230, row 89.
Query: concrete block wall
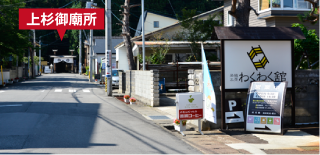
column 122, row 82
column 128, row 82
column 144, row 86
column 13, row 74
column 20, row 72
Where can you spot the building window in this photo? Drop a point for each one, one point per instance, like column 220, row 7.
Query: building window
column 284, row 5
column 156, row 24
column 287, row 4
column 301, row 4
column 264, row 4
column 230, row 20
column 168, row 58
column 276, row 4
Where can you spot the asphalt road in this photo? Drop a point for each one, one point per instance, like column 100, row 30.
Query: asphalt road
column 63, row 113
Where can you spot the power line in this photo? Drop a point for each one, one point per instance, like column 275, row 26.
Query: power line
column 172, row 9
column 119, row 19
column 67, row 4
column 18, row 3
column 133, row 14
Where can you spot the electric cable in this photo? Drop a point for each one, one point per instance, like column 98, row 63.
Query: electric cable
column 18, row 3
column 173, row 9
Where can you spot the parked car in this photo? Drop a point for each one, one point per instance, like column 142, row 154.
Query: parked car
column 115, row 77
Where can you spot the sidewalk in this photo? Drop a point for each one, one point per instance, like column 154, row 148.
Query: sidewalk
column 234, row 141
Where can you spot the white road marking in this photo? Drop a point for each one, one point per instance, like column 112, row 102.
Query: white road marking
column 86, row 91
column 2, row 91
column 72, row 90
column 11, row 105
column 42, row 91
column 58, row 90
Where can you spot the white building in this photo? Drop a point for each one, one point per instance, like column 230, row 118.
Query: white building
column 178, row 49
column 153, row 22
column 99, row 51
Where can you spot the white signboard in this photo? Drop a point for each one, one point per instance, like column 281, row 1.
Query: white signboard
column 108, row 60
column 234, row 113
column 189, row 106
column 67, row 60
column 261, row 60
column 265, row 106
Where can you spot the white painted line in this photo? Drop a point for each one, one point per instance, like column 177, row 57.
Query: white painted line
column 11, row 105
column 72, row 90
column 86, row 91
column 2, row 91
column 42, row 91
column 58, row 90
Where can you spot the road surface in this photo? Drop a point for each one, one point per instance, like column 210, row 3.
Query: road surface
column 64, row 113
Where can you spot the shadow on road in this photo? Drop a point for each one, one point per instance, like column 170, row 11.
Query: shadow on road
column 47, row 125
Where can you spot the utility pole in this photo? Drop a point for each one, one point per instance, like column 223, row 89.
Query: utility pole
column 108, row 46
column 143, row 49
column 91, row 65
column 80, row 52
column 126, row 32
column 29, row 50
column 33, row 53
column 40, row 55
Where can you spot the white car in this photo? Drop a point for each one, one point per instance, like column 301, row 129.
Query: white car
column 115, row 77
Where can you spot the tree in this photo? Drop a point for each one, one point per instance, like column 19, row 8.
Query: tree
column 309, row 45
column 126, row 33
column 195, row 30
column 12, row 41
column 313, row 15
column 242, row 13
column 159, row 51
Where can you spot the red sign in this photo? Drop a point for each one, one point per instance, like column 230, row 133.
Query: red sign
column 61, row 19
column 190, row 114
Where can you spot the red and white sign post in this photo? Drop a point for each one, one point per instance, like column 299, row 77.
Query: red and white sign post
column 189, row 106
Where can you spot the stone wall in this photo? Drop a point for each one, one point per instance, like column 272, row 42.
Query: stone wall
column 307, row 96
column 144, row 86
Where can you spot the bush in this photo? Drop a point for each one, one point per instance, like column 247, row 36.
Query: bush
column 87, row 70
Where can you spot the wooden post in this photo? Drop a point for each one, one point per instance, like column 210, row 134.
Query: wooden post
column 293, row 94
column 126, row 32
column 222, row 84
column 54, row 64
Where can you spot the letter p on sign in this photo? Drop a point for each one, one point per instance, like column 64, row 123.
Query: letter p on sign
column 232, row 103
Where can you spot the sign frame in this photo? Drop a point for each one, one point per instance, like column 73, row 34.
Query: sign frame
column 238, row 110
column 282, row 103
column 223, row 90
column 191, row 107
column 108, row 63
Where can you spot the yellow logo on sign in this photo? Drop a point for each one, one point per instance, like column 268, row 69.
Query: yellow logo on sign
column 261, row 63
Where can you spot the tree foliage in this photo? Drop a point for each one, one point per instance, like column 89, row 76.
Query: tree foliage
column 310, row 44
column 313, row 15
column 159, row 51
column 13, row 42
